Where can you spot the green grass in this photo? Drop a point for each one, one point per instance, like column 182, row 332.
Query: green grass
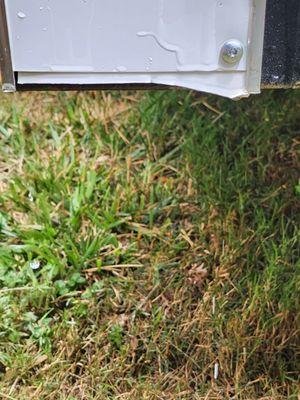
column 145, row 238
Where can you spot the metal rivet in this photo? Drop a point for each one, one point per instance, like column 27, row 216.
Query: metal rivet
column 232, row 51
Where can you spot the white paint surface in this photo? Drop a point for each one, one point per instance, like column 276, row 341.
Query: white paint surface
column 173, row 42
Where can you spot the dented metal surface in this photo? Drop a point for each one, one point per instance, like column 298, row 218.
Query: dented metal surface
column 171, row 42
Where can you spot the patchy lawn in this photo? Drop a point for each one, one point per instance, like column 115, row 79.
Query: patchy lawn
column 149, row 246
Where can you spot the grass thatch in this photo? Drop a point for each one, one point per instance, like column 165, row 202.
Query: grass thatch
column 147, row 240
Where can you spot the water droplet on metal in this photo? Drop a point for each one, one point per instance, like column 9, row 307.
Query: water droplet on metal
column 21, row 15
column 121, row 69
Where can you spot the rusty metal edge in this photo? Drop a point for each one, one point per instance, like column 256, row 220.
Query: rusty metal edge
column 6, row 68
column 293, row 85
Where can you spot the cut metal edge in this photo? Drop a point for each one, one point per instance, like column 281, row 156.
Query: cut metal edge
column 256, row 46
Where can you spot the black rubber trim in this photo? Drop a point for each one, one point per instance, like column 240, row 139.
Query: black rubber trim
column 281, row 61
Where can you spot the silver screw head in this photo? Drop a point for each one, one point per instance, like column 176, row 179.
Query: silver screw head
column 232, row 51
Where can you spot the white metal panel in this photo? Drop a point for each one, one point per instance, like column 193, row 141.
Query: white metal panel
column 223, row 83
column 122, row 41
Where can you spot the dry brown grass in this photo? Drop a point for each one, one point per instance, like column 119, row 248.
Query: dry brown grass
column 182, row 230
